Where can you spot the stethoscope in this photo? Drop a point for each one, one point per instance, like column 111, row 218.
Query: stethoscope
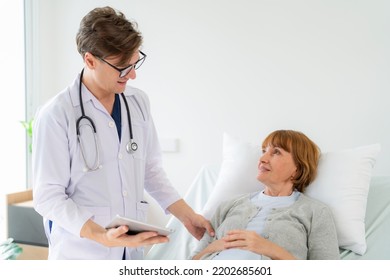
column 131, row 146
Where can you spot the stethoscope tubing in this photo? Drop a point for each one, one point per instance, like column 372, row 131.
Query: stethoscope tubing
column 131, row 146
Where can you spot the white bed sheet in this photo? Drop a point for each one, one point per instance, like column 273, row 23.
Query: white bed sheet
column 182, row 244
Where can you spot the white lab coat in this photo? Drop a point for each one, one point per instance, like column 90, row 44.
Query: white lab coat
column 68, row 195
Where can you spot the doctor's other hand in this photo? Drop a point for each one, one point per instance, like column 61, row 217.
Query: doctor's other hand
column 196, row 224
column 118, row 237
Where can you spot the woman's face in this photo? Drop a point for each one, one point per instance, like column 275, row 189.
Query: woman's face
column 276, row 168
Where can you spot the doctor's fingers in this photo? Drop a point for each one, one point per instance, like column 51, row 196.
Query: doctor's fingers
column 145, row 238
column 118, row 237
column 209, row 228
column 114, row 233
column 199, row 225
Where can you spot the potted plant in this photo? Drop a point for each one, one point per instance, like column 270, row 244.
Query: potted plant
column 9, row 250
column 28, row 125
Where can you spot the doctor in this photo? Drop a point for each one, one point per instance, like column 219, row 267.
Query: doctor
column 95, row 151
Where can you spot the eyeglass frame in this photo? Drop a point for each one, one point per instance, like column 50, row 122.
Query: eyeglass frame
column 124, row 71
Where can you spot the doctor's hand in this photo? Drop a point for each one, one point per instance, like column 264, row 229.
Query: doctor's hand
column 196, row 224
column 118, row 237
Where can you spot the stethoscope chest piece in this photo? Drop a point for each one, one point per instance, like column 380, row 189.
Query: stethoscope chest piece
column 131, row 147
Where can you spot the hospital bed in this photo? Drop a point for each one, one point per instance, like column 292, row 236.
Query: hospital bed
column 377, row 220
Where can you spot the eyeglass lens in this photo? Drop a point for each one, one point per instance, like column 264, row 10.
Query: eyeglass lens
column 136, row 65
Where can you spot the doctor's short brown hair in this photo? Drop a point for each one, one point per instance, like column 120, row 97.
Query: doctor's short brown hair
column 106, row 32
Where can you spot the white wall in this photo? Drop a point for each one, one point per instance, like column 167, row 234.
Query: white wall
column 244, row 67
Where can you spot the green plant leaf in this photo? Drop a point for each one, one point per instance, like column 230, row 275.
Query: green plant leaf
column 28, row 125
column 7, row 242
column 9, row 250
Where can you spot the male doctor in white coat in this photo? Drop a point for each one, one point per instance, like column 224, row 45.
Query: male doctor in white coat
column 95, row 151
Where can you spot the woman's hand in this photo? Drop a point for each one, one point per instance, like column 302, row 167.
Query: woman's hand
column 251, row 241
column 246, row 240
column 215, row 246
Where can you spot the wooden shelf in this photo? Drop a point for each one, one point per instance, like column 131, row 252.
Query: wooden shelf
column 31, row 252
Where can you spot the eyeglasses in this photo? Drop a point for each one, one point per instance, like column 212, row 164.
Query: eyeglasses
column 124, row 71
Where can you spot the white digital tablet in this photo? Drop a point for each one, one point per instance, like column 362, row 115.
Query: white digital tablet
column 137, row 226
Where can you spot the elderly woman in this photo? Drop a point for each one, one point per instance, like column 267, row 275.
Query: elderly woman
column 279, row 222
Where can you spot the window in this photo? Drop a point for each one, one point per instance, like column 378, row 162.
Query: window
column 13, row 140
column 13, row 147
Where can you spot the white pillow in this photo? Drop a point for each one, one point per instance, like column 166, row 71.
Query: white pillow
column 342, row 182
column 237, row 174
